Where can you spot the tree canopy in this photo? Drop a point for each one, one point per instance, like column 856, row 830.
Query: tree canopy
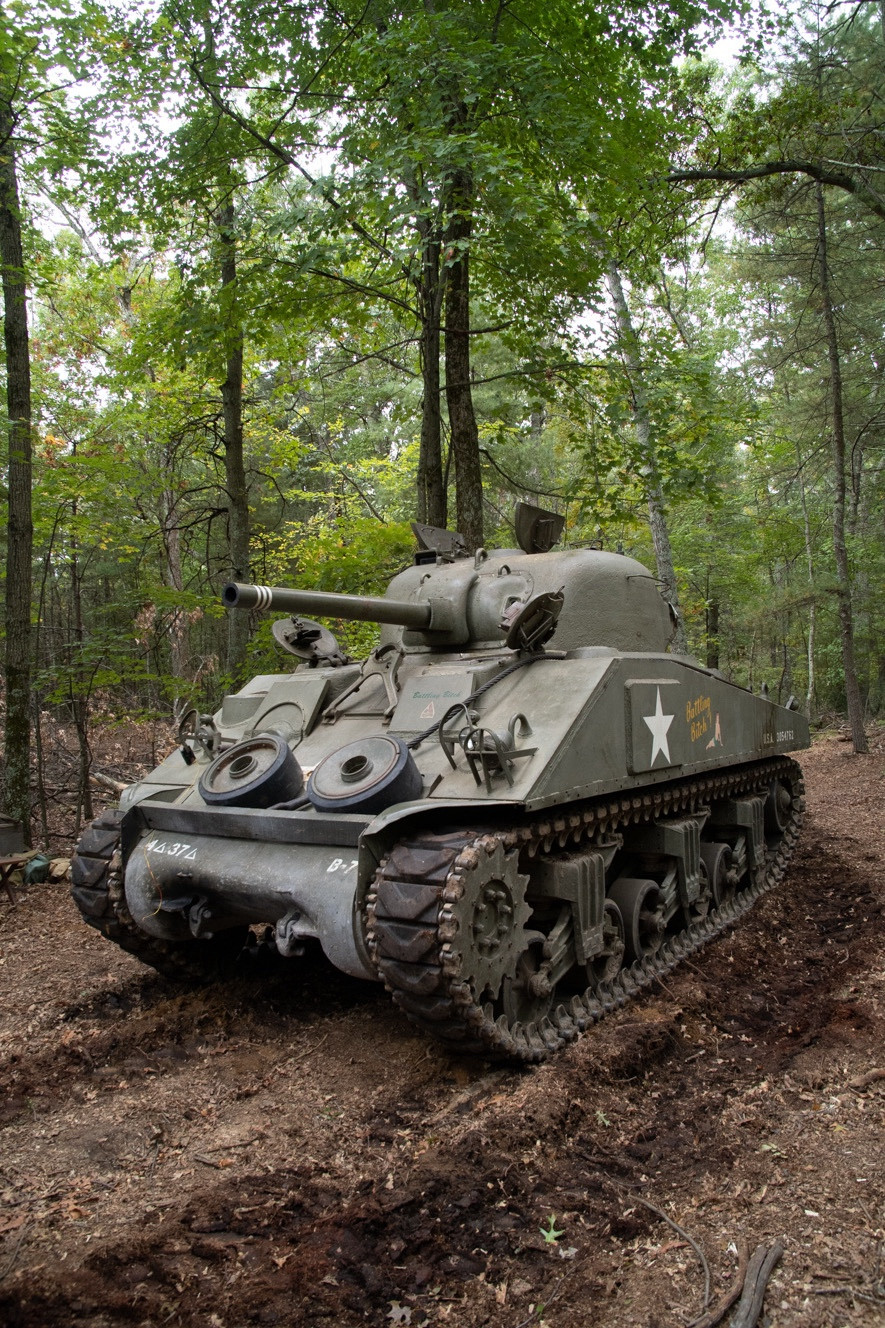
column 291, row 276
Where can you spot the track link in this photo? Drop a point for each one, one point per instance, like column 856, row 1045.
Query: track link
column 412, row 925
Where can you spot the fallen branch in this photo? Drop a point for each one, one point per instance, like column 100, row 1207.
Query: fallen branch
column 864, row 1080
column 724, row 1304
column 115, row 785
column 761, row 1267
column 105, row 781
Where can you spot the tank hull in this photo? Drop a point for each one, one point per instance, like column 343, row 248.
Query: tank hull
column 586, row 813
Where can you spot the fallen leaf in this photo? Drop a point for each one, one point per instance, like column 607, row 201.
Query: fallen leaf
column 13, row 1223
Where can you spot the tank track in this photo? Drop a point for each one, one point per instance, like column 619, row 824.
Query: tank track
column 97, row 890
column 413, row 929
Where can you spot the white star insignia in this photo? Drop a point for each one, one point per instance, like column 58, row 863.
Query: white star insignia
column 659, row 723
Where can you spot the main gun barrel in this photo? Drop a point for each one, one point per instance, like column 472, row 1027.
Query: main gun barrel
column 363, row 608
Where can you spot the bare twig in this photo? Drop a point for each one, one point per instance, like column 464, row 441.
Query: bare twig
column 761, row 1267
column 874, row 1293
column 296, row 1060
column 724, row 1304
column 246, row 1143
column 661, row 983
column 854, row 1292
column 682, row 1232
column 546, row 1298
column 10, row 1262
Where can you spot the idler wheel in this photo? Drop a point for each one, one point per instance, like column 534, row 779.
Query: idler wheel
column 365, row 776
column 256, row 772
column 641, row 906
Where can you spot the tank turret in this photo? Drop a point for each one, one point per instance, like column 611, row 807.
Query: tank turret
column 570, row 599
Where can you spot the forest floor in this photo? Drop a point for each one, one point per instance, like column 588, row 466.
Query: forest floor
column 289, row 1150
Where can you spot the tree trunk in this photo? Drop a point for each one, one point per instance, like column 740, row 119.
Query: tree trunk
column 837, row 434
column 42, row 801
column 17, row 664
column 79, row 689
column 642, row 424
column 238, row 525
column 431, row 483
column 459, row 397
column 179, row 634
column 712, row 632
column 812, row 608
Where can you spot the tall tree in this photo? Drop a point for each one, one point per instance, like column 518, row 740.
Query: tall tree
column 16, row 754
column 463, row 135
column 629, row 345
column 837, row 434
column 238, row 522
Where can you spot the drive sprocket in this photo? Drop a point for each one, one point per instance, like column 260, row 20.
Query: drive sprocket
column 482, row 921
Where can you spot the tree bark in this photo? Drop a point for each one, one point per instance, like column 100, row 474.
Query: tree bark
column 837, row 434
column 459, row 397
column 80, row 688
column 179, row 634
column 17, row 663
column 812, row 608
column 431, row 482
column 238, row 522
column 712, row 632
column 642, row 424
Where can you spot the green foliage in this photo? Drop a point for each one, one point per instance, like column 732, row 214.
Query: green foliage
column 335, row 135
column 549, row 1232
column 356, row 557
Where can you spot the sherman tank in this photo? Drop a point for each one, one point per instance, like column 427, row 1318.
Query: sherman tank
column 518, row 811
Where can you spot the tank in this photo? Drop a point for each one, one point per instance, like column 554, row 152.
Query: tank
column 517, row 812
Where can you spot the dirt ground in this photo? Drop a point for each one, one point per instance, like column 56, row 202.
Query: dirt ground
column 287, row 1149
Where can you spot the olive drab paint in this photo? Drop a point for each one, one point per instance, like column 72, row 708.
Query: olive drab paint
column 519, row 794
